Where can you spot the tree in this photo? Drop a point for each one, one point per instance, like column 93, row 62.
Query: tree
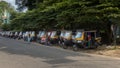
column 30, row 4
column 4, row 8
column 83, row 14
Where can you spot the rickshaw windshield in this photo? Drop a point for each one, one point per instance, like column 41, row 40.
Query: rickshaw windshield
column 39, row 33
column 20, row 33
column 62, row 34
column 33, row 33
column 26, row 33
column 48, row 33
column 67, row 34
column 16, row 33
column 79, row 35
column 42, row 34
column 53, row 34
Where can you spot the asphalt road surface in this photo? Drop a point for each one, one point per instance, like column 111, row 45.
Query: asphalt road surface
column 20, row 54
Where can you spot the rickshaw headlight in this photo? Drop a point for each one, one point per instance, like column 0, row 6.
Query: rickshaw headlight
column 79, row 41
column 118, row 36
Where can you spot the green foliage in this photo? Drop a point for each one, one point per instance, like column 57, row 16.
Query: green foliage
column 5, row 27
column 6, row 6
column 69, row 14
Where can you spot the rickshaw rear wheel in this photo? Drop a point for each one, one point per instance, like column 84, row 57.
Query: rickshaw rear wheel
column 64, row 46
column 75, row 48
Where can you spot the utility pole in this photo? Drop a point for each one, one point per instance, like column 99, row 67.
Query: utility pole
column 114, row 28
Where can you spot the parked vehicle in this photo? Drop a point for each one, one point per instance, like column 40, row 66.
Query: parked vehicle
column 38, row 37
column 8, row 35
column 54, row 37
column 26, row 35
column 42, row 36
column 20, row 35
column 67, row 39
column 33, row 36
column 16, row 35
column 45, row 39
column 61, row 38
column 86, row 39
column 11, row 34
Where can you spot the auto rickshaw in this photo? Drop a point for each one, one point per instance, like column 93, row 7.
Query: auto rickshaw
column 38, row 37
column 6, row 34
column 3, row 34
column 60, row 39
column 11, row 34
column 45, row 38
column 67, row 39
column 54, row 37
column 42, row 35
column 26, row 35
column 20, row 35
column 33, row 36
column 16, row 35
column 86, row 39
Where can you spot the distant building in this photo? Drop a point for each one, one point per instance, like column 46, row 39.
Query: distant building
column 6, row 17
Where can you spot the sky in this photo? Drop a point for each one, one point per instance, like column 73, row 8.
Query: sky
column 12, row 2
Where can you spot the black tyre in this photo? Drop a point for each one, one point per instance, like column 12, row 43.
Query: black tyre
column 75, row 48
column 64, row 46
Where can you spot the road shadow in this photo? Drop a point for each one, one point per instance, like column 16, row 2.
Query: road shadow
column 53, row 55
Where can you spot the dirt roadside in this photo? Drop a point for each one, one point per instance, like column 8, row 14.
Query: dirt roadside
column 104, row 50
column 101, row 50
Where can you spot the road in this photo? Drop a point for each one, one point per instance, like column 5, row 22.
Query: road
column 20, row 54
